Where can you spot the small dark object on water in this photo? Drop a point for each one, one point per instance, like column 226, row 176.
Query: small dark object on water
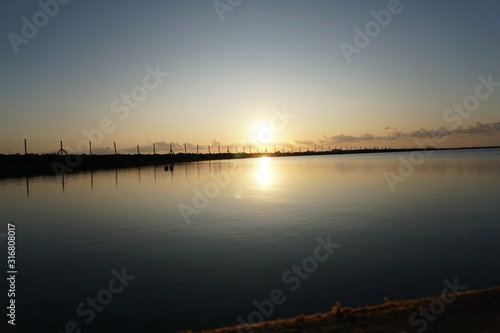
column 171, row 168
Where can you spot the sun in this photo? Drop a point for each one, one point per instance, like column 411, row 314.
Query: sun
column 264, row 135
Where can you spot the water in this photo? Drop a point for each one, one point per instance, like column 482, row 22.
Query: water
column 262, row 217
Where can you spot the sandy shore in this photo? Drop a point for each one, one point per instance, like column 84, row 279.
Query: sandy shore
column 472, row 311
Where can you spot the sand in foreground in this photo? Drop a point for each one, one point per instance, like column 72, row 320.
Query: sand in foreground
column 472, row 311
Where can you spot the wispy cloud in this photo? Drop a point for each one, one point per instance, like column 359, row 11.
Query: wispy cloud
column 392, row 134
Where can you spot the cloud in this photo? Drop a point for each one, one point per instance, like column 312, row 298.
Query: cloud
column 103, row 150
column 476, row 128
column 479, row 129
column 215, row 144
column 304, row 142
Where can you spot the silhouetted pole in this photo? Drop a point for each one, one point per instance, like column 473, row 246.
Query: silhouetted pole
column 154, row 149
column 138, row 152
column 62, row 151
column 228, row 150
column 171, row 151
column 185, row 149
column 197, row 148
column 209, row 150
column 114, row 144
column 25, row 150
column 90, row 147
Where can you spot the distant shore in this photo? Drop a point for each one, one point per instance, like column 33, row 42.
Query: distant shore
column 471, row 311
column 45, row 164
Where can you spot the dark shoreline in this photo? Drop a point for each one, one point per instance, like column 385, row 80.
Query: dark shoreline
column 51, row 164
column 470, row 311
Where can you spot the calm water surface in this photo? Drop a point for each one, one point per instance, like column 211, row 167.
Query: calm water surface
column 261, row 217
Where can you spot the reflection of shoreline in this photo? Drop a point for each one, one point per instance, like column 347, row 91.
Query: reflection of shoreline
column 473, row 311
column 24, row 165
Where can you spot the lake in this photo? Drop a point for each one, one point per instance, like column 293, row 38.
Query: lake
column 154, row 250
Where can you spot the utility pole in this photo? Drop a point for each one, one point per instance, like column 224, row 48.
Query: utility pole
column 62, row 151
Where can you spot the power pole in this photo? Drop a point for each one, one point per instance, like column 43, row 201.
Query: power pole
column 62, row 151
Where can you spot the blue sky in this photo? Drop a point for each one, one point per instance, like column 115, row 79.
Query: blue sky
column 226, row 78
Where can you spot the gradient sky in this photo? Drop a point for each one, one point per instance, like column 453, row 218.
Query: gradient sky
column 227, row 76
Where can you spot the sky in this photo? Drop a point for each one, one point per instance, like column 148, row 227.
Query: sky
column 248, row 73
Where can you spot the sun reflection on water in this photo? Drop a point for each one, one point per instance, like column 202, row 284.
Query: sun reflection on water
column 264, row 173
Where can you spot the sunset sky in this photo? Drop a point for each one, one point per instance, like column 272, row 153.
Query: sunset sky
column 232, row 68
